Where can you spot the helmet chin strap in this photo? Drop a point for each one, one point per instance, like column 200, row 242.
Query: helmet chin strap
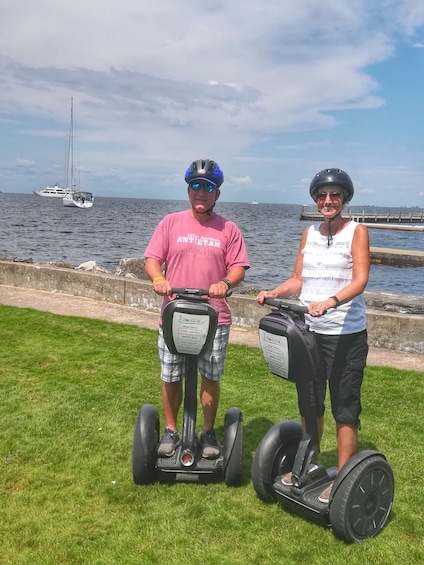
column 330, row 235
column 209, row 212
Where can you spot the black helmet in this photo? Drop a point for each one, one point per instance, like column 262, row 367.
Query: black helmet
column 205, row 169
column 332, row 176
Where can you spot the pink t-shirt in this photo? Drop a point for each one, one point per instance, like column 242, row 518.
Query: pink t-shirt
column 198, row 254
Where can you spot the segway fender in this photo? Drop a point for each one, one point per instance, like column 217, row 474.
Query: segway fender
column 275, row 456
column 233, row 447
column 232, row 419
column 145, row 441
column 285, row 432
column 360, row 505
column 353, row 462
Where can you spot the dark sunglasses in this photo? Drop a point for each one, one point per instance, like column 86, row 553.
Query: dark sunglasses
column 206, row 186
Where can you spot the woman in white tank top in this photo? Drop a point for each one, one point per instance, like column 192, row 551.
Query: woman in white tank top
column 330, row 275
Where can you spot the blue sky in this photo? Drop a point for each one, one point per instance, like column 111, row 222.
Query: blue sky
column 273, row 90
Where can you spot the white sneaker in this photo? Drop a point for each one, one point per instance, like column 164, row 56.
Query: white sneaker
column 324, row 497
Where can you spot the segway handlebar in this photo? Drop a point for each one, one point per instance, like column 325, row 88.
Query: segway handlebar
column 282, row 305
column 193, row 291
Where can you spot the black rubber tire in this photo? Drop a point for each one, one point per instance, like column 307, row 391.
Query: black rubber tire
column 361, row 504
column 145, row 443
column 275, row 456
column 233, row 447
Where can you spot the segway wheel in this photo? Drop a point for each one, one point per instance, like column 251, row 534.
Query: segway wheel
column 233, row 447
column 361, row 504
column 145, row 442
column 274, row 457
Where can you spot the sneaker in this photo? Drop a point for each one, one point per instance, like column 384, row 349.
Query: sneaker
column 287, row 479
column 169, row 442
column 324, row 497
column 210, row 447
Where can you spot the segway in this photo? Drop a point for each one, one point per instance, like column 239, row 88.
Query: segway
column 189, row 325
column 362, row 494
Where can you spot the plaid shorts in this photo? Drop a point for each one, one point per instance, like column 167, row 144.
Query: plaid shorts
column 210, row 365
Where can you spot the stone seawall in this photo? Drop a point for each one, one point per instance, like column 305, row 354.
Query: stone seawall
column 395, row 321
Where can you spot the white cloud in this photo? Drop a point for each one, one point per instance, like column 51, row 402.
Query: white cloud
column 157, row 85
column 241, row 180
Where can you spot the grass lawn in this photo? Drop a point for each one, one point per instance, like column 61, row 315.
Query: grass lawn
column 70, row 392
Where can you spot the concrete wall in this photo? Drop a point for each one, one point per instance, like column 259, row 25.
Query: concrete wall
column 394, row 321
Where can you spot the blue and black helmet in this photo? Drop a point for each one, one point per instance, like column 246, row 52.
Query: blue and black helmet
column 332, row 176
column 205, row 169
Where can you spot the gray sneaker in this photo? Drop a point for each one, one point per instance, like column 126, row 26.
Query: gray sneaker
column 287, row 479
column 210, row 447
column 169, row 442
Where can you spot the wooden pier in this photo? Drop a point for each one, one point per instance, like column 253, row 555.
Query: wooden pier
column 412, row 221
column 366, row 217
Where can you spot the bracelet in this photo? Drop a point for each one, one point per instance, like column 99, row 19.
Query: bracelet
column 157, row 279
column 227, row 282
column 336, row 300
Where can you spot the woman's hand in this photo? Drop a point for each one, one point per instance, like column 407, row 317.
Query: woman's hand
column 317, row 309
column 260, row 298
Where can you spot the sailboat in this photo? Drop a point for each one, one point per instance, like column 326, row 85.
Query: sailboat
column 74, row 198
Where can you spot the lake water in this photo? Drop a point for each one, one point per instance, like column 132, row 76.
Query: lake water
column 44, row 230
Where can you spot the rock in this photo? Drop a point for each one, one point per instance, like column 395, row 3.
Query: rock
column 14, row 259
column 59, row 264
column 132, row 266
column 394, row 302
column 92, row 267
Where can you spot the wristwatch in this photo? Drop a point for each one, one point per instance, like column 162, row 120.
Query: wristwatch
column 227, row 282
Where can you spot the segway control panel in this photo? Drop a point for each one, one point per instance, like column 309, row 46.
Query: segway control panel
column 189, row 322
column 287, row 345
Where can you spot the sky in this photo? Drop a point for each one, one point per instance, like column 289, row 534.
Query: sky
column 273, row 90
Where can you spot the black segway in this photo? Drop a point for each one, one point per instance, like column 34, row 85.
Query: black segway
column 189, row 325
column 363, row 490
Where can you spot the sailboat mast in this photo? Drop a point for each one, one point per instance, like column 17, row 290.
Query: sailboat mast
column 70, row 183
column 71, row 140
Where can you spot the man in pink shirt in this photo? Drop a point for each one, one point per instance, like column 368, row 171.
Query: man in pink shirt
column 200, row 249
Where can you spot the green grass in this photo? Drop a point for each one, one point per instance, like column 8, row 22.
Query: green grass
column 70, row 392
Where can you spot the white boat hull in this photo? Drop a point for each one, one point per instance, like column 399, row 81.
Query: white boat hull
column 78, row 199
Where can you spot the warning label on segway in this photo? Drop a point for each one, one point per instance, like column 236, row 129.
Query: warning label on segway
column 276, row 353
column 190, row 332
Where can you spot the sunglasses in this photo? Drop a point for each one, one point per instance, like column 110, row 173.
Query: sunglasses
column 332, row 195
column 206, row 186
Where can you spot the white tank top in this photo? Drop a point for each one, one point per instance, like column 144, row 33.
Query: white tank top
column 326, row 270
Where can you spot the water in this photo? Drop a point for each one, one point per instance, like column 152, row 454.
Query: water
column 44, row 230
